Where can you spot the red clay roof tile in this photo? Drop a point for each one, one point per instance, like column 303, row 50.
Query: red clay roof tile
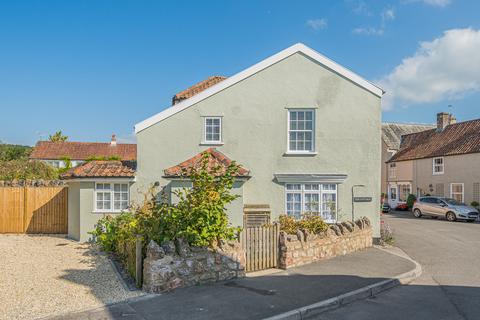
column 83, row 150
column 455, row 139
column 197, row 88
column 215, row 159
column 102, row 169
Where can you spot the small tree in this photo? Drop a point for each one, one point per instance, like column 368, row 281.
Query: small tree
column 411, row 200
column 474, row 204
column 200, row 215
column 57, row 137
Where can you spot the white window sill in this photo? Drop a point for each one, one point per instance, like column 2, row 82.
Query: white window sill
column 301, row 153
column 438, row 173
column 212, row 143
column 106, row 212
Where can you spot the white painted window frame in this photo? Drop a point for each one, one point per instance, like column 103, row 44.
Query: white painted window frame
column 112, row 196
column 320, row 193
column 399, row 191
column 204, row 136
column 392, row 170
column 463, row 190
column 434, row 165
column 300, row 152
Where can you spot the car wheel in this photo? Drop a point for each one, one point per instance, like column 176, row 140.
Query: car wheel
column 417, row 213
column 451, row 216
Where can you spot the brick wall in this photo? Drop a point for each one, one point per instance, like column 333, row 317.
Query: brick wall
column 340, row 239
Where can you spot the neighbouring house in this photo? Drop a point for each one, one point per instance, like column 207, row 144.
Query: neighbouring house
column 391, row 138
column 96, row 189
column 443, row 161
column 54, row 153
column 305, row 130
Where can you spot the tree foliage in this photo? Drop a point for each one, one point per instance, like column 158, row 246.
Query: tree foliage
column 57, row 137
column 24, row 169
column 10, row 152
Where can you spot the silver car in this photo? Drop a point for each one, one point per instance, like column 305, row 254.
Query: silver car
column 449, row 208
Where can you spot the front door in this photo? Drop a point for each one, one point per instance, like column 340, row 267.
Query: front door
column 393, row 196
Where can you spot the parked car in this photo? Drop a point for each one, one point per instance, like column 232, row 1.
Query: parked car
column 385, row 208
column 402, row 207
column 449, row 208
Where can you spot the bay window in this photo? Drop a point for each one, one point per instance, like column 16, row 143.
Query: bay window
column 311, row 198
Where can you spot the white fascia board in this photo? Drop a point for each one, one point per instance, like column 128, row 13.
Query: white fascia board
column 299, row 47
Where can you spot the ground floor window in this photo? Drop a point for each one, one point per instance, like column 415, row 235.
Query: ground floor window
column 456, row 191
column 317, row 198
column 111, row 197
column 404, row 191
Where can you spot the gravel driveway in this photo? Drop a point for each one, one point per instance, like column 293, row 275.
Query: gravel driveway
column 46, row 275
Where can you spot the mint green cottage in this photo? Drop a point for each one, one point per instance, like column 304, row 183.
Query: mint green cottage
column 306, row 130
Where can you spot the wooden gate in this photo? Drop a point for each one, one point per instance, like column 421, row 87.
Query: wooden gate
column 261, row 247
column 33, row 210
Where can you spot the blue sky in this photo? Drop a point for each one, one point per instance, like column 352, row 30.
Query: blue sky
column 93, row 68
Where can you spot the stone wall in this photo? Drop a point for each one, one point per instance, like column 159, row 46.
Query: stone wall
column 340, row 239
column 173, row 265
column 33, row 183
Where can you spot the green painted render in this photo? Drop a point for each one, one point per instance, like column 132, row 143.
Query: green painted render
column 254, row 132
column 81, row 217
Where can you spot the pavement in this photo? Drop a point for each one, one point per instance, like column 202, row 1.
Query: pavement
column 449, row 287
column 265, row 295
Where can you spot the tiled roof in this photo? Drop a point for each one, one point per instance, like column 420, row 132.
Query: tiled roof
column 392, row 132
column 83, row 150
column 455, row 139
column 215, row 159
column 102, row 169
column 197, row 88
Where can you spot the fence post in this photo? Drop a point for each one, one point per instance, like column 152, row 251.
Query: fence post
column 138, row 261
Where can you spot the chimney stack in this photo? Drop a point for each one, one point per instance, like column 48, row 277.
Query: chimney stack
column 113, row 143
column 444, row 119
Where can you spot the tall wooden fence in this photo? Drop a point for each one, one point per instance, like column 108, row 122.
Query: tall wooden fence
column 261, row 247
column 33, row 210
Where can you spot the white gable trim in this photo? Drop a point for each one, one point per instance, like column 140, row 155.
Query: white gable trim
column 299, row 47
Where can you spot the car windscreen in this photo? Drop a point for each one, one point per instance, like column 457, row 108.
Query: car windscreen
column 453, row 202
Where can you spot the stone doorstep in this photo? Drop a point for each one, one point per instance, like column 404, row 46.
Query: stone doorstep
column 312, row 311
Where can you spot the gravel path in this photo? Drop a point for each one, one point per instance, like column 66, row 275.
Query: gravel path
column 43, row 276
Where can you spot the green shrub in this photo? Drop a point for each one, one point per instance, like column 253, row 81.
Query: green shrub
column 9, row 152
column 474, row 204
column 411, row 200
column 103, row 158
column 311, row 222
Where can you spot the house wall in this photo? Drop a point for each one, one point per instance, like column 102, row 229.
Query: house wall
column 347, row 135
column 81, row 217
column 458, row 169
column 404, row 172
column 74, row 210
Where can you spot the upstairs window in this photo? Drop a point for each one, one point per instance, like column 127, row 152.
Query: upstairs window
column 301, row 125
column 392, row 170
column 438, row 165
column 212, row 130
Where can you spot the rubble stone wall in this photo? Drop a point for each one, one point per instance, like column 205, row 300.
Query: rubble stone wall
column 176, row 264
column 340, row 239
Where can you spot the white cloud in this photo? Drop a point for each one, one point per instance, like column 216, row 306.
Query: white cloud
column 433, row 3
column 361, row 8
column 386, row 15
column 369, row 31
column 445, row 68
column 317, row 24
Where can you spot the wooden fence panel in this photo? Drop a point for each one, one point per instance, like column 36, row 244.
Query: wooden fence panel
column 33, row 210
column 261, row 247
column 12, row 210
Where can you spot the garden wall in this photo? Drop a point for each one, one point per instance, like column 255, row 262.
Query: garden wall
column 173, row 265
column 340, row 239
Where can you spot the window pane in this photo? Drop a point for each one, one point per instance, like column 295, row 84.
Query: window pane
column 124, row 196
column 124, row 205
column 106, row 196
column 301, row 115
column 309, row 115
column 116, row 187
column 99, row 204
column 100, row 196
column 124, row 187
column 116, row 205
column 293, row 115
column 106, row 205
column 116, row 196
